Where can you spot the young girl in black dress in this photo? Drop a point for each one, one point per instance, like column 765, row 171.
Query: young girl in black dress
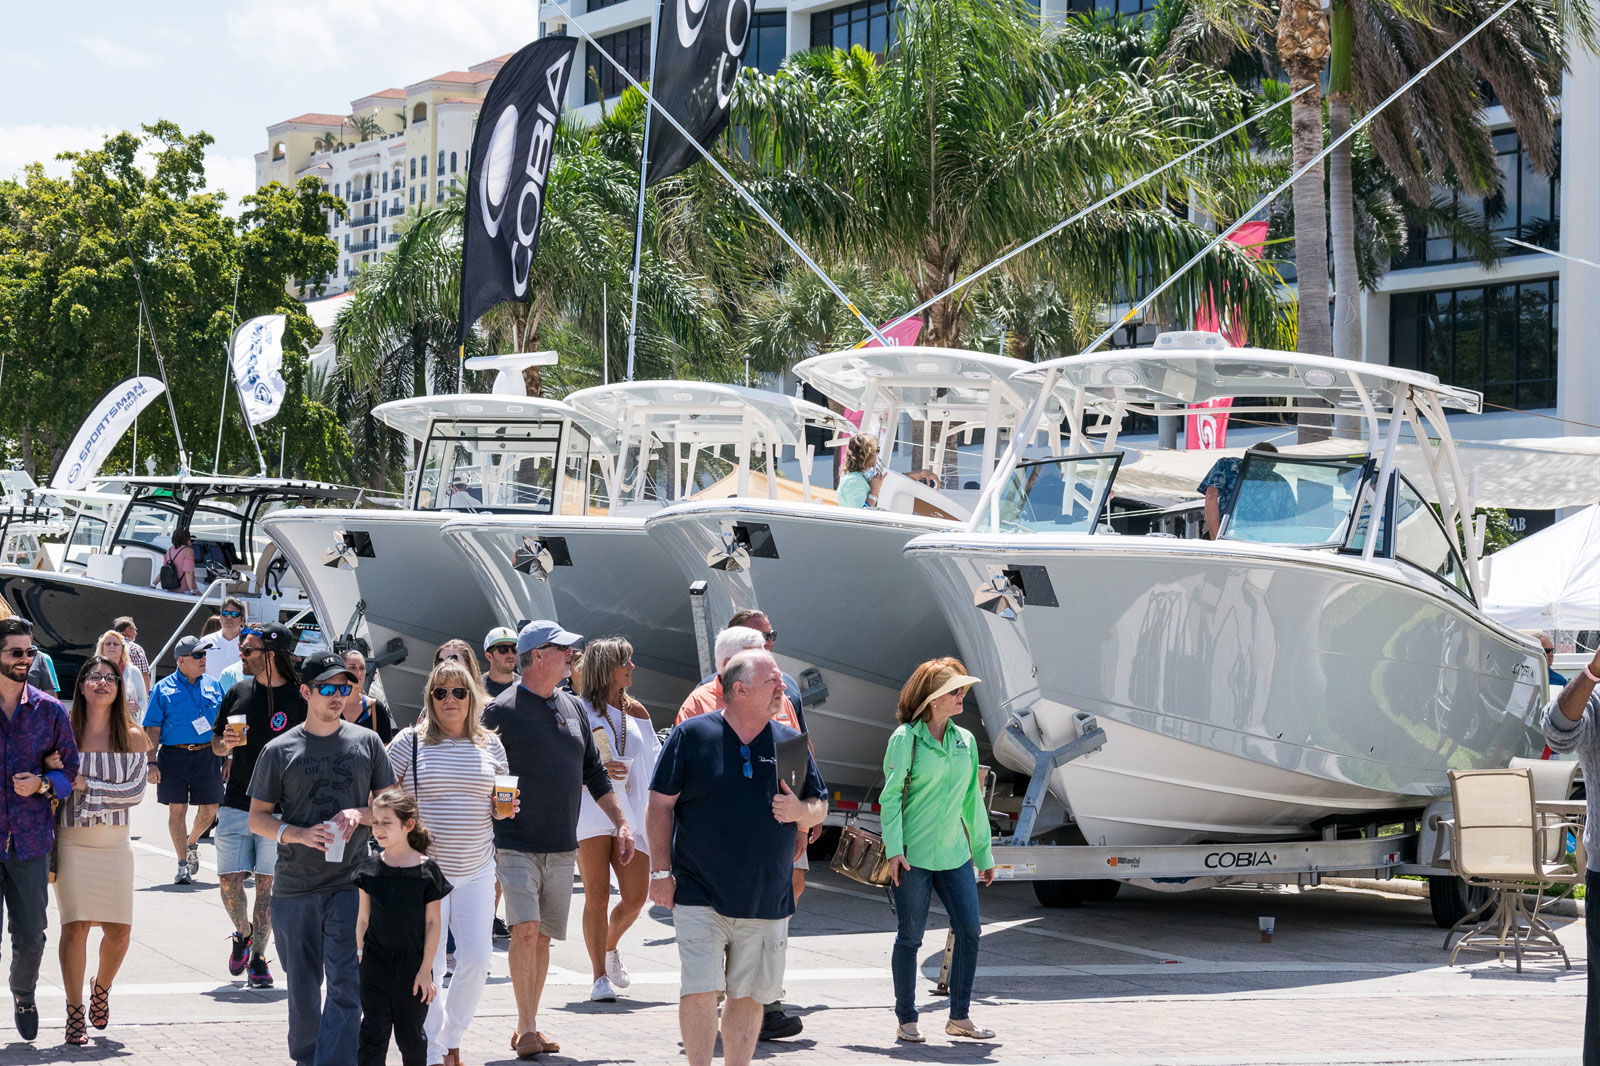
column 398, row 932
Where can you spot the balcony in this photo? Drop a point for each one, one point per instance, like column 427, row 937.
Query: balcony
column 393, row 238
column 363, row 246
column 368, row 219
column 359, row 195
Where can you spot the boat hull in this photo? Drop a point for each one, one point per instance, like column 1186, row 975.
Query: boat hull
column 844, row 600
column 611, row 580
column 1245, row 692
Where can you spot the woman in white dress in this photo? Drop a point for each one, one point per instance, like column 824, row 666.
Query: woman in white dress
column 114, row 647
column 627, row 744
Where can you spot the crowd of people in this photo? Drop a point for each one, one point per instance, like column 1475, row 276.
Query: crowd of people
column 381, row 858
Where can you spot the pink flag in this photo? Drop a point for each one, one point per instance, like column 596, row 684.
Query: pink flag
column 899, row 335
column 1209, row 430
column 1207, row 427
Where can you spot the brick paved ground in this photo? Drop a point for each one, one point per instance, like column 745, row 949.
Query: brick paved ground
column 1149, row 978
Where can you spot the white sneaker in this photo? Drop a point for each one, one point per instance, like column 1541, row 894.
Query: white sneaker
column 602, row 991
column 617, row 972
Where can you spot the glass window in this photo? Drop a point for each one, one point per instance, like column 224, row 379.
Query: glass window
column 769, row 41
column 631, row 48
column 88, row 533
column 1421, row 539
column 469, row 466
column 413, row 167
column 1114, row 7
column 869, row 23
column 149, row 524
column 1498, row 339
column 452, row 162
column 1290, row 500
column 424, row 166
column 1058, row 495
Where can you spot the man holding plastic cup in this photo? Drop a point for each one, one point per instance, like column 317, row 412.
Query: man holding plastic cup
column 320, row 776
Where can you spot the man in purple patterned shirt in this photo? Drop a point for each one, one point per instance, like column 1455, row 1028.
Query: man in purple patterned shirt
column 33, row 726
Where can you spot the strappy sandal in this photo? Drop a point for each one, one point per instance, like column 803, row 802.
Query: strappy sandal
column 99, row 1004
column 969, row 1032
column 76, row 1031
column 911, row 1037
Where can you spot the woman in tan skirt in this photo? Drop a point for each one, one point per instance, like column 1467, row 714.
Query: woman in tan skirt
column 94, row 859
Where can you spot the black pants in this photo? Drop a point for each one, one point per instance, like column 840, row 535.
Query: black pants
column 1591, row 935
column 24, row 894
column 389, row 1005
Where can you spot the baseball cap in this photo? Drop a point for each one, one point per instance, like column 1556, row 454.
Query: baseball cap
column 323, row 666
column 191, row 645
column 542, row 631
column 499, row 635
column 275, row 636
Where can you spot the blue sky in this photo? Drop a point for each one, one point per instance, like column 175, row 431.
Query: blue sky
column 78, row 69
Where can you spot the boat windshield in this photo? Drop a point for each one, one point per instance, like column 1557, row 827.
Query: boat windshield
column 489, row 466
column 1421, row 539
column 1284, row 499
column 1064, row 495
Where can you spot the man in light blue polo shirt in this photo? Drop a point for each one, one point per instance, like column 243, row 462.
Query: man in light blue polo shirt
column 183, row 708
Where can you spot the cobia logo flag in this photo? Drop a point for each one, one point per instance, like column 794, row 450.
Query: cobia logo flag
column 256, row 353
column 511, row 154
column 700, row 46
column 102, row 429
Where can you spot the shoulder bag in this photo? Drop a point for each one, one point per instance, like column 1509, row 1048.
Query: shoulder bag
column 860, row 854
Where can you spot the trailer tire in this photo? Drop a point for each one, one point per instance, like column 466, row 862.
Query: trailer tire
column 1452, row 899
column 1065, row 894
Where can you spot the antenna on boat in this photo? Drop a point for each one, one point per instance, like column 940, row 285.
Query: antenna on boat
column 227, row 380
column 555, row 13
column 155, row 346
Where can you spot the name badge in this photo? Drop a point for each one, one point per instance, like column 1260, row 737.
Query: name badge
column 202, row 725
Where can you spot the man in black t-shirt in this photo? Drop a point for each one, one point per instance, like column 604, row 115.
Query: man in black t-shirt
column 500, row 652
column 269, row 700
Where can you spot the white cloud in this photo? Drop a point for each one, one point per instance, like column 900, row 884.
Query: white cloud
column 36, row 142
column 232, row 174
column 114, row 53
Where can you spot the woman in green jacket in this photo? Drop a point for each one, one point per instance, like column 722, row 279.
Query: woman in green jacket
column 935, row 832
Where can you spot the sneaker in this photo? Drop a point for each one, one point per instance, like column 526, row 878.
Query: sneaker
column 602, row 992
column 183, row 877
column 240, row 953
column 617, row 972
column 192, row 859
column 260, row 976
column 501, row 930
column 775, row 1025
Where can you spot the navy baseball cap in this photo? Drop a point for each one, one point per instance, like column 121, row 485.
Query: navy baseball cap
column 323, row 666
column 542, row 631
column 195, row 647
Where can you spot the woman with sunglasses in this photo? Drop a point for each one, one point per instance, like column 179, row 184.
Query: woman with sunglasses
column 935, row 832
column 94, row 857
column 460, row 651
column 448, row 761
column 114, row 646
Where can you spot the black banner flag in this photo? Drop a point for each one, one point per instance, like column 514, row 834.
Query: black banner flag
column 700, row 46
column 511, row 154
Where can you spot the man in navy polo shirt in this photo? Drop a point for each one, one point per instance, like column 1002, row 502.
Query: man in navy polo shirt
column 179, row 720
column 723, row 837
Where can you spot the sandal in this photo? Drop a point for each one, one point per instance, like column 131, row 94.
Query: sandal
column 968, row 1031
column 908, row 1034
column 76, row 1032
column 549, row 1045
column 527, row 1045
column 99, row 1004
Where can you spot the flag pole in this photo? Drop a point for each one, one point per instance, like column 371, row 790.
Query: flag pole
column 227, row 374
column 138, row 359
column 744, row 194
column 644, row 168
column 155, row 346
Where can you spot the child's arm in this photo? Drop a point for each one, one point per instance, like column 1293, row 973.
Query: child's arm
column 362, row 916
column 423, row 986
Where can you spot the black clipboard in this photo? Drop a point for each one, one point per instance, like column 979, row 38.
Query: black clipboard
column 794, row 759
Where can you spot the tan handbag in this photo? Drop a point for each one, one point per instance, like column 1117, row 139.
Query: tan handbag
column 860, row 854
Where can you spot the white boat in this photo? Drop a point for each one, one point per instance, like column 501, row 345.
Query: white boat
column 1294, row 673
column 385, row 580
column 854, row 617
column 598, row 572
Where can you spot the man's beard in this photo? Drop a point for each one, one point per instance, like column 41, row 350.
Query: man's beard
column 18, row 671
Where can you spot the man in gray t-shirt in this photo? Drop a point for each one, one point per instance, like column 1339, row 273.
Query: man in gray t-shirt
column 321, row 775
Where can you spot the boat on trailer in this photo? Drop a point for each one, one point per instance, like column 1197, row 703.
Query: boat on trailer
column 1324, row 659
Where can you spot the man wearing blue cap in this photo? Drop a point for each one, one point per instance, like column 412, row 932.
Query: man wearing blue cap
column 548, row 748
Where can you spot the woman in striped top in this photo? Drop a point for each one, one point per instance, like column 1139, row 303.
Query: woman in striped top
column 448, row 761
column 94, row 858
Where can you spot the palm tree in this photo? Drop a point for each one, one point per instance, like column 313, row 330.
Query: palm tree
column 367, row 126
column 977, row 130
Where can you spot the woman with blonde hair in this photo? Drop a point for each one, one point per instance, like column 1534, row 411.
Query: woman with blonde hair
column 935, row 833
column 628, row 745
column 94, row 857
column 460, row 651
column 862, row 480
column 114, row 646
column 448, row 761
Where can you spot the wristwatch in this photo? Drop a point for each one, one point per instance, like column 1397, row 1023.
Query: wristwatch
column 660, row 875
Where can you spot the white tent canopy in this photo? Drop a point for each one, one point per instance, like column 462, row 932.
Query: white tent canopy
column 1550, row 580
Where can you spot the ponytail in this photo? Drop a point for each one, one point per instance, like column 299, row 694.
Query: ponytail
column 419, row 838
column 404, row 806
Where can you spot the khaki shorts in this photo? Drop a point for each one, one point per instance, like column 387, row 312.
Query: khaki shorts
column 537, row 887
column 742, row 957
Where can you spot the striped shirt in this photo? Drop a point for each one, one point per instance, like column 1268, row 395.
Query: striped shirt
column 116, row 785
column 454, row 785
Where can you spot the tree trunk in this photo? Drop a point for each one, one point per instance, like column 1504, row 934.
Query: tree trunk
column 1341, row 202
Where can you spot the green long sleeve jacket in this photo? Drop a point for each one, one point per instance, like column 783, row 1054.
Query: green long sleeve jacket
column 942, row 823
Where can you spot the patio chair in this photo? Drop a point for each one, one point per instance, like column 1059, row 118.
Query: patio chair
column 1500, row 841
column 1553, row 779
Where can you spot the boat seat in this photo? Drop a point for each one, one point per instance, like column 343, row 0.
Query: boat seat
column 138, row 569
column 102, row 566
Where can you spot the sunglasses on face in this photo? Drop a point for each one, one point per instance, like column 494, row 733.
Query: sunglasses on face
column 458, row 693
column 197, row 655
column 21, row 653
column 503, row 649
column 332, row 689
column 245, row 649
column 231, row 614
column 771, row 636
column 100, row 679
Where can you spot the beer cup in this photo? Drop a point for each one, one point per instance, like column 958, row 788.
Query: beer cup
column 505, row 794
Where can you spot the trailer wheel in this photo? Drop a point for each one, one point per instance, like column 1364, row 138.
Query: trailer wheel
column 1063, row 894
column 1452, row 899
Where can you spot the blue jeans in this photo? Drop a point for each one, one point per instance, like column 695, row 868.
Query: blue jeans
column 958, row 891
column 316, row 937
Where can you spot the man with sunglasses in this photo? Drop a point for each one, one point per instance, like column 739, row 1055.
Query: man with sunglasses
column 33, row 725
column 550, row 749
column 269, row 698
column 722, row 842
column 183, row 708
column 225, row 644
column 321, row 775
column 500, row 652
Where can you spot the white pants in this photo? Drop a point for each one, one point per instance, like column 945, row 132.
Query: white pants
column 468, row 912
